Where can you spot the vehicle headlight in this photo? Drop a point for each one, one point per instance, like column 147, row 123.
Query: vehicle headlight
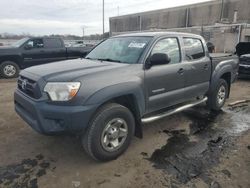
column 62, row 91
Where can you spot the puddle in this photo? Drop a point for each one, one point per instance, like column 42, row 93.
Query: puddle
column 187, row 159
column 190, row 154
column 201, row 119
column 24, row 174
column 240, row 117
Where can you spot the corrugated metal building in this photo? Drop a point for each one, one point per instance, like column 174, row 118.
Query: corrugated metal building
column 223, row 22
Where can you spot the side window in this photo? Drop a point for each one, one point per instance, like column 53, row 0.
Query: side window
column 35, row 43
column 193, row 48
column 52, row 43
column 169, row 46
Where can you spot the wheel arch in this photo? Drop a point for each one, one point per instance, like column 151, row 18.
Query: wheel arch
column 129, row 101
column 129, row 95
column 224, row 72
column 15, row 59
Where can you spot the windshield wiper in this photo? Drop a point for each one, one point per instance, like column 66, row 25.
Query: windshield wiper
column 110, row 60
column 104, row 59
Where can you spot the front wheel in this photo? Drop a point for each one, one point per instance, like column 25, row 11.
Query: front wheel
column 218, row 97
column 109, row 133
column 9, row 69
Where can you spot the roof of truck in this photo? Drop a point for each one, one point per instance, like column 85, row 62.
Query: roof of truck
column 157, row 34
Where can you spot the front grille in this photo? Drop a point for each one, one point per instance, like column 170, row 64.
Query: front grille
column 29, row 87
column 245, row 60
column 243, row 70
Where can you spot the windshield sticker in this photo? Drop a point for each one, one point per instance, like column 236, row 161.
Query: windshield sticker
column 136, row 45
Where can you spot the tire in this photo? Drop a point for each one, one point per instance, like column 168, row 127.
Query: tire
column 103, row 134
column 9, row 69
column 218, row 97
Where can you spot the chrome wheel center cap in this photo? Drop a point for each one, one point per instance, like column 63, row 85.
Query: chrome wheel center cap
column 113, row 133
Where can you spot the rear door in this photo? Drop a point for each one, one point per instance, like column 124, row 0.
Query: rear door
column 197, row 65
column 164, row 83
column 54, row 50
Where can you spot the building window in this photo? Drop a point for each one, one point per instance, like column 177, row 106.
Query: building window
column 247, row 38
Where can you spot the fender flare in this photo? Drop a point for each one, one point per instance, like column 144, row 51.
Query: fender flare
column 217, row 74
column 129, row 88
column 15, row 58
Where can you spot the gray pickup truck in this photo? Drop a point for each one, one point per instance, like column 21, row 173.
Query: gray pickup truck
column 124, row 82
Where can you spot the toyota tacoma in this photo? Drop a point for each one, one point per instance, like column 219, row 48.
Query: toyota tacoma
column 123, row 83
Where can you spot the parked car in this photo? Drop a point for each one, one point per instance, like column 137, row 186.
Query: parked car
column 36, row 51
column 78, row 44
column 82, row 44
column 243, row 49
column 122, row 83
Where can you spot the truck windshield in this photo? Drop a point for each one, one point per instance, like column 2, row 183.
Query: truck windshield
column 120, row 49
column 19, row 42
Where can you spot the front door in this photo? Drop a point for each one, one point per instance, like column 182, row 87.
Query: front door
column 164, row 83
column 33, row 52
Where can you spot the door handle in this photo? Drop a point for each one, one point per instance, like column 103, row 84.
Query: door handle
column 180, row 71
column 206, row 66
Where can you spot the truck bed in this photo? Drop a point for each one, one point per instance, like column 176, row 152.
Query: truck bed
column 219, row 57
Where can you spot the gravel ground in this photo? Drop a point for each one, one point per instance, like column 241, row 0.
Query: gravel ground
column 195, row 148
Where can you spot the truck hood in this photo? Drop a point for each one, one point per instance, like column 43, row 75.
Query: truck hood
column 7, row 49
column 68, row 70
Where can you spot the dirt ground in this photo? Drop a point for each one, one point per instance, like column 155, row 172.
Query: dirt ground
column 191, row 149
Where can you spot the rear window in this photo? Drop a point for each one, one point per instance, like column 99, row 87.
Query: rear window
column 193, row 49
column 53, row 43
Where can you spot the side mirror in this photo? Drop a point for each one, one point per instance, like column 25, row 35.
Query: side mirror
column 159, row 59
column 27, row 47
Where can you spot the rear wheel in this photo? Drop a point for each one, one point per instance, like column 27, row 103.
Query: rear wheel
column 9, row 69
column 218, row 97
column 109, row 133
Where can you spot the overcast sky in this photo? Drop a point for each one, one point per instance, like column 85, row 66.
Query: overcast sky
column 42, row 17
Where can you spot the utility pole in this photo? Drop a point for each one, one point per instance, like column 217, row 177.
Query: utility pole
column 222, row 11
column 82, row 32
column 103, row 17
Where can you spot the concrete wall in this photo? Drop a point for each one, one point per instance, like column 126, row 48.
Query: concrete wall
column 207, row 13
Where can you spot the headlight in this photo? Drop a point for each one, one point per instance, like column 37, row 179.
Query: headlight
column 62, row 91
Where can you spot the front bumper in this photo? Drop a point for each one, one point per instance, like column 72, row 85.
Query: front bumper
column 49, row 119
column 244, row 69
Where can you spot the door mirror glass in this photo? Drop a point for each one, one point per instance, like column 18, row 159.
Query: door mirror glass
column 159, row 59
